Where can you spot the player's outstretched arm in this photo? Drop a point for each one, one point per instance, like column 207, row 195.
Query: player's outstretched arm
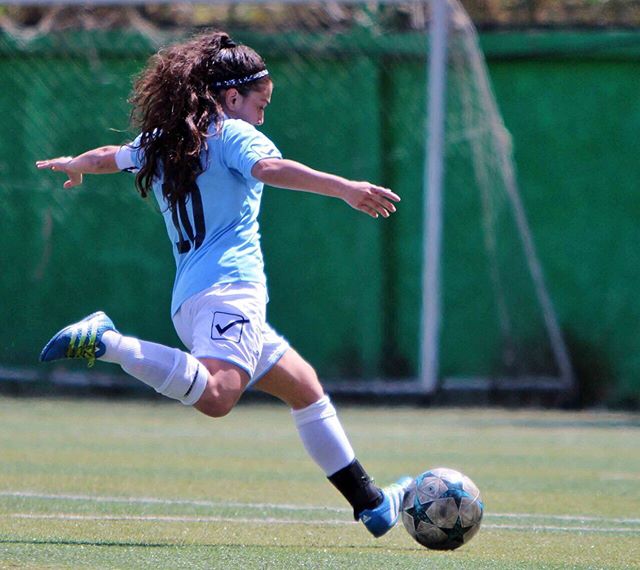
column 363, row 196
column 100, row 160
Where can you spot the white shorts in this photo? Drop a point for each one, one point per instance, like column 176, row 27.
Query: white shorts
column 228, row 322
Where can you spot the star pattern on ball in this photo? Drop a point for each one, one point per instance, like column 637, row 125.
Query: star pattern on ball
column 442, row 509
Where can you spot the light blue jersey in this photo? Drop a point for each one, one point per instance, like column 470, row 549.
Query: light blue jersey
column 215, row 235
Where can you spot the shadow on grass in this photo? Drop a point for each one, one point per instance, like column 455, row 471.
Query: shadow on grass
column 123, row 544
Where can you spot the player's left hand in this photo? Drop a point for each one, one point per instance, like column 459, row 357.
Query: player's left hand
column 63, row 164
column 371, row 199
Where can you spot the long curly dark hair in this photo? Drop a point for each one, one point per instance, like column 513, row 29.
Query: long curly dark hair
column 176, row 98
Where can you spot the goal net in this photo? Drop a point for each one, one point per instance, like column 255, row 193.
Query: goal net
column 492, row 284
column 352, row 90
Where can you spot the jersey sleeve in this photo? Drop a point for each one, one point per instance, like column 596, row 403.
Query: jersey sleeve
column 243, row 146
column 129, row 156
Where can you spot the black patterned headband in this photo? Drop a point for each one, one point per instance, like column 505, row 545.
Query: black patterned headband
column 241, row 80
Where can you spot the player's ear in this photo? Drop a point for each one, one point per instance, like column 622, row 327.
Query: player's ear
column 231, row 98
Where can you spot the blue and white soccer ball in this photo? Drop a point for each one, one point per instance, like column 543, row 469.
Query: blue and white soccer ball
column 442, row 509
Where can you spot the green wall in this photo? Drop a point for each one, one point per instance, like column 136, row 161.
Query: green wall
column 344, row 288
column 579, row 175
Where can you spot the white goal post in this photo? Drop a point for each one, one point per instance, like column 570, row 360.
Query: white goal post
column 430, row 379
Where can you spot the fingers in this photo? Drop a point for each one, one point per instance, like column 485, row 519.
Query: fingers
column 375, row 209
column 383, row 206
column 61, row 165
column 74, row 180
column 379, row 202
column 54, row 163
column 370, row 211
column 386, row 193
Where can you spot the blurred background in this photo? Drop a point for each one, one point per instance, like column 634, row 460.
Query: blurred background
column 559, row 112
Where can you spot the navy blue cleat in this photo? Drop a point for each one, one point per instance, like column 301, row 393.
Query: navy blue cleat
column 384, row 517
column 79, row 340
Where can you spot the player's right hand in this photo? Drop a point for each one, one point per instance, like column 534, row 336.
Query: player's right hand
column 370, row 199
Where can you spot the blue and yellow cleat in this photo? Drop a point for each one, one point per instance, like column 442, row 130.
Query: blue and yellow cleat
column 384, row 517
column 79, row 340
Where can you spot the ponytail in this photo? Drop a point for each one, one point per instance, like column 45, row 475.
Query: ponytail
column 177, row 98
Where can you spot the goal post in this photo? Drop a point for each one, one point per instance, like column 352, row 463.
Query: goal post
column 470, row 118
column 433, row 197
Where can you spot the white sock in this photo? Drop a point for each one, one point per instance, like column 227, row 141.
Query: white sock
column 323, row 436
column 169, row 371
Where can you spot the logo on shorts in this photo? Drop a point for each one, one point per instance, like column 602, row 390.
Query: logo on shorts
column 227, row 326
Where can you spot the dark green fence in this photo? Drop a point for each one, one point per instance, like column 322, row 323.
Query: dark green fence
column 344, row 288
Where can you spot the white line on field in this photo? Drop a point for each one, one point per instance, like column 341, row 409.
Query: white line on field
column 290, row 507
column 567, row 518
column 170, row 518
column 157, row 501
column 550, row 528
column 270, row 520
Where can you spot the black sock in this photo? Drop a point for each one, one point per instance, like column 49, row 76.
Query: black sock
column 357, row 487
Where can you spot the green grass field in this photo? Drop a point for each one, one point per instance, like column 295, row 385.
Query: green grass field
column 135, row 484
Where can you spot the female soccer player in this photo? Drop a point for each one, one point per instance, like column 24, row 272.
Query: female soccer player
column 196, row 105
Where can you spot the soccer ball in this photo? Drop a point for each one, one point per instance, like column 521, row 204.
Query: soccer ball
column 442, row 509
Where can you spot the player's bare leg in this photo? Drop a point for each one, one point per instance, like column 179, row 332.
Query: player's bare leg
column 295, row 382
column 292, row 380
column 224, row 387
